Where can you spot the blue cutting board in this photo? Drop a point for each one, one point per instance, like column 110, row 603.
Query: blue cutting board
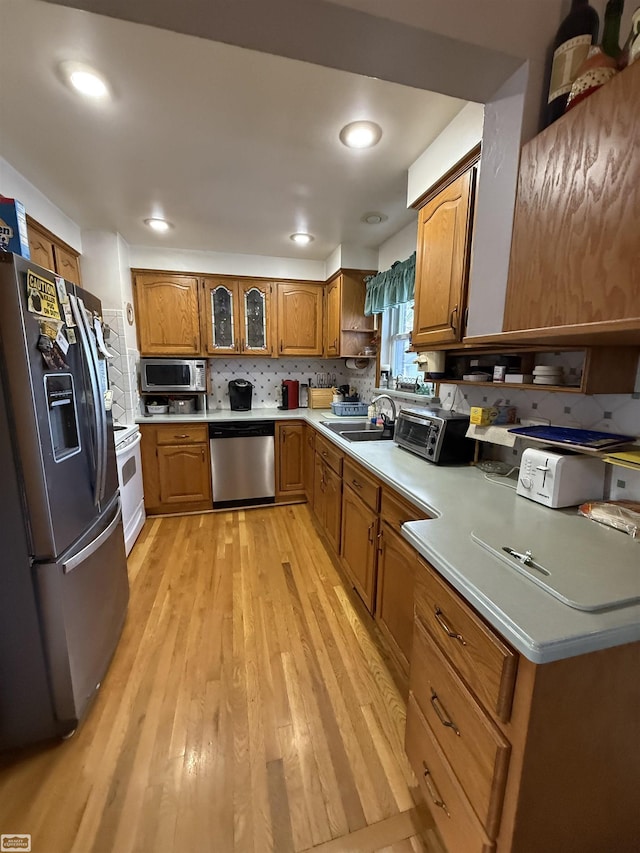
column 587, row 438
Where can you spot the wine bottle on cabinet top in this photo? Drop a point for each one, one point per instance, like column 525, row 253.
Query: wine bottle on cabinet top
column 611, row 30
column 575, row 35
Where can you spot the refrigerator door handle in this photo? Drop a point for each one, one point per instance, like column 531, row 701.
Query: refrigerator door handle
column 78, row 309
column 92, row 547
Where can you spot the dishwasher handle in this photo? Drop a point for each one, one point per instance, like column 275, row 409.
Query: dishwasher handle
column 241, row 429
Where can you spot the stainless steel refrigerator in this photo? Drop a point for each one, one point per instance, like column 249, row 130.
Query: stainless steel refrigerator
column 63, row 575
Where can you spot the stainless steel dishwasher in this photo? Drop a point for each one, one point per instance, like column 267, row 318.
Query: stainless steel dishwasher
column 242, row 463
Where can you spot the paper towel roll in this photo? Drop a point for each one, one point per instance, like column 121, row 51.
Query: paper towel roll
column 493, row 434
column 357, row 364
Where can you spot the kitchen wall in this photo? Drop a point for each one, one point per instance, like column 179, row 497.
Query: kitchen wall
column 122, row 368
column 37, row 205
column 224, row 263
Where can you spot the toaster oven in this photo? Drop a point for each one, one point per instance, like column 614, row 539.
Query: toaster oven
column 437, row 435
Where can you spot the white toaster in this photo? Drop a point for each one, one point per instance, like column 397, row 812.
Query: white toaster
column 556, row 477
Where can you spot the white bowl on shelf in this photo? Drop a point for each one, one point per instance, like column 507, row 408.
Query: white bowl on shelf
column 476, row 377
column 157, row 410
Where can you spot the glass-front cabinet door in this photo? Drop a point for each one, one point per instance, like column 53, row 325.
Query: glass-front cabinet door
column 221, row 312
column 255, row 322
column 238, row 317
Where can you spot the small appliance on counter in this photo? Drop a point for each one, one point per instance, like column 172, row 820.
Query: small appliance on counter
column 437, row 435
column 290, row 391
column 182, row 405
column 557, row 478
column 240, row 393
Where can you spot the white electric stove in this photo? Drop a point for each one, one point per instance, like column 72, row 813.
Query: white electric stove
column 127, row 443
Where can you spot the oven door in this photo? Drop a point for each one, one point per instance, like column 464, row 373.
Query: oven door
column 131, row 489
column 413, row 433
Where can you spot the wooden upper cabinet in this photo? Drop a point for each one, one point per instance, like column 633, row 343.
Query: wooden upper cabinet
column 237, row 317
column 221, row 317
column 300, row 318
column 66, row 263
column 255, row 300
column 575, row 253
column 41, row 248
column 347, row 330
column 167, row 313
column 332, row 316
column 442, row 263
column 49, row 252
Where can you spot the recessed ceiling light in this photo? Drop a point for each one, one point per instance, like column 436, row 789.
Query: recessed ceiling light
column 85, row 80
column 301, row 239
column 360, row 134
column 159, row 225
column 374, row 218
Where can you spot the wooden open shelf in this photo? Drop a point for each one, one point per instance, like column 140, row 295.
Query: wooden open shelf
column 605, row 370
column 517, row 386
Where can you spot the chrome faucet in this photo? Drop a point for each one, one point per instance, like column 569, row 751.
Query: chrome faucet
column 391, row 401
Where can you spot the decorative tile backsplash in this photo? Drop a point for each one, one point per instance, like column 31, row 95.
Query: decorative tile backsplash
column 266, row 375
column 607, row 412
column 123, row 369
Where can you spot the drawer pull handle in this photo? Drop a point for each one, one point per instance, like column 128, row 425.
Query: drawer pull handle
column 324, row 453
column 441, row 712
column 357, row 484
column 370, row 532
column 433, row 791
column 183, row 435
column 454, row 636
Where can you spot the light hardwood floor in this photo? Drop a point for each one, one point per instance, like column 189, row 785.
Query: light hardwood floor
column 247, row 708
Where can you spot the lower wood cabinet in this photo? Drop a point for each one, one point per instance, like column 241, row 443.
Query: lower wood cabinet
column 396, row 577
column 176, row 468
column 456, row 822
column 290, row 446
column 394, row 596
column 515, row 757
column 308, row 461
column 359, row 545
column 327, row 498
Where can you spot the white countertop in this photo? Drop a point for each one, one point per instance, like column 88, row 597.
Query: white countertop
column 462, row 501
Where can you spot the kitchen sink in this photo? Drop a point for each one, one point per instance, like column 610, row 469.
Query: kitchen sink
column 357, row 430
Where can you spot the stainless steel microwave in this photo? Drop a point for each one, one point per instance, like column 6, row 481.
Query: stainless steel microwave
column 437, row 435
column 173, row 375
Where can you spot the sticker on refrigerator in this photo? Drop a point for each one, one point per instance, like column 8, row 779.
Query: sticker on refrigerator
column 62, row 342
column 61, row 286
column 68, row 316
column 102, row 347
column 71, row 336
column 42, row 297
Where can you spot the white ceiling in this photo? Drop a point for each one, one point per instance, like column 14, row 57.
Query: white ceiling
column 239, row 149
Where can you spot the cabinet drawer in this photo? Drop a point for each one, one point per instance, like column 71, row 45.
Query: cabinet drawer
column 481, row 658
column 476, row 750
column 329, row 453
column 182, row 433
column 396, row 510
column 458, row 825
column 362, row 484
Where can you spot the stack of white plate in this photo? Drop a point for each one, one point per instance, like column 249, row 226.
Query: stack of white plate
column 543, row 375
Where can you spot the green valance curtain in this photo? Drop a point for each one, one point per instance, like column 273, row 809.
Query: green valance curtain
column 391, row 287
